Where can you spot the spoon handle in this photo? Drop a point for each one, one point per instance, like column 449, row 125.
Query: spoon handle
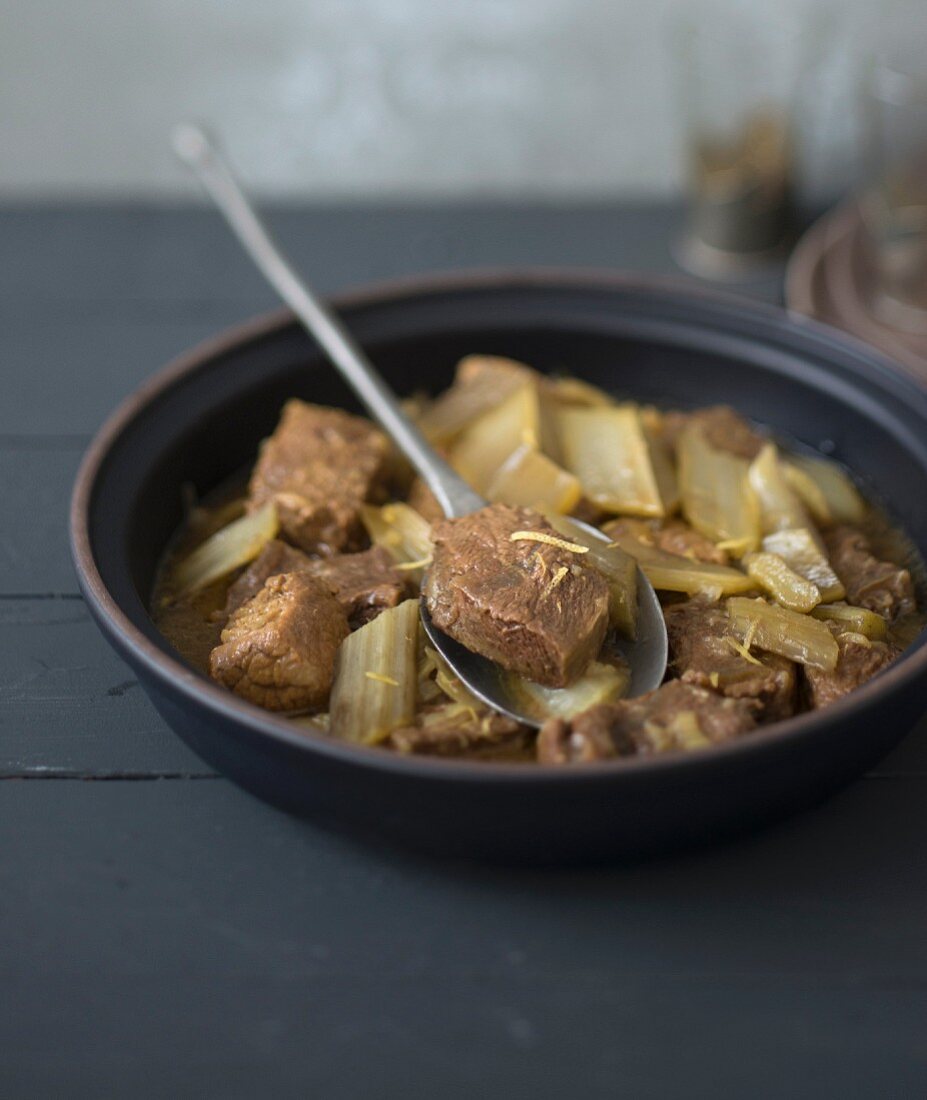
column 195, row 149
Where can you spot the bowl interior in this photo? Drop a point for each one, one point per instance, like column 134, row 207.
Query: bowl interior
column 650, row 343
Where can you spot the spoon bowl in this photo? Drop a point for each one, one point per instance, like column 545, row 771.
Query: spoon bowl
column 646, row 656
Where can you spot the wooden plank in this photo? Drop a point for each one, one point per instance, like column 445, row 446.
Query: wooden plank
column 72, row 370
column 242, row 1036
column 130, row 254
column 132, row 288
column 180, row 938
column 34, row 492
column 69, row 705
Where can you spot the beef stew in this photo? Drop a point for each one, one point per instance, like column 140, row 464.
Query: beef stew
column 783, row 587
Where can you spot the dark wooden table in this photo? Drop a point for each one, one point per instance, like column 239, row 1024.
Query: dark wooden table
column 164, row 934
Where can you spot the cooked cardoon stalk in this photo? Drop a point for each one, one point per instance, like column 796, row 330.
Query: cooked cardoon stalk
column 529, row 479
column 376, row 677
column 574, row 391
column 447, row 682
column 803, row 553
column 854, row 620
column 617, row 566
column 781, row 508
column 717, row 498
column 402, row 532
column 476, row 392
column 229, row 548
column 786, row 587
column 799, row 637
column 826, row 490
column 600, row 683
column 811, row 494
column 621, row 468
column 492, row 438
column 674, row 573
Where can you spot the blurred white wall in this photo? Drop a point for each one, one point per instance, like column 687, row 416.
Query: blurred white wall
column 322, row 98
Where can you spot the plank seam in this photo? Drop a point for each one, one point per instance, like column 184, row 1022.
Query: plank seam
column 104, row 777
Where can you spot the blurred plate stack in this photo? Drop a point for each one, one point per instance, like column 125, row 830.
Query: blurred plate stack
column 832, row 277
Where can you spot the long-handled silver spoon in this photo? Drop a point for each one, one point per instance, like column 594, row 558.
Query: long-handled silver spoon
column 646, row 656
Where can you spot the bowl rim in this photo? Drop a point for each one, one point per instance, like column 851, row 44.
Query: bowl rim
column 202, row 692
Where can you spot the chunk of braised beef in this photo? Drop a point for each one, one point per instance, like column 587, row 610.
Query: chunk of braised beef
column 673, row 536
column 319, row 466
column 444, row 732
column 506, row 585
column 676, row 537
column 724, row 428
column 364, row 584
column 675, row 716
column 276, row 557
column 423, row 500
column 860, row 659
column 880, row 586
column 702, row 652
column 278, row 649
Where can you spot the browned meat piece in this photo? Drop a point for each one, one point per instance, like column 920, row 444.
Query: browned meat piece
column 423, row 500
column 278, row 650
column 672, row 536
column 675, row 716
column 700, row 654
column 364, row 584
column 724, row 428
column 676, row 537
column 588, row 512
column 440, row 734
column 531, row 605
column 319, row 466
column 880, row 586
column 857, row 663
column 276, row 557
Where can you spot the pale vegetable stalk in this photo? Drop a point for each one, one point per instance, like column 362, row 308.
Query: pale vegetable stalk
column 854, row 620
column 621, row 468
column 673, row 573
column 228, row 549
column 483, row 381
column 600, row 683
column 376, row 677
column 801, row 550
column 403, row 533
column 717, row 498
column 681, row 732
column 450, row 684
column 528, row 479
column 798, row 637
column 787, row 587
column 574, row 391
column 780, row 507
column 490, row 440
column 826, row 489
column 617, row 566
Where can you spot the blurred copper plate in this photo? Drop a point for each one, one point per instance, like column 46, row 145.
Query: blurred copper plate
column 829, row 278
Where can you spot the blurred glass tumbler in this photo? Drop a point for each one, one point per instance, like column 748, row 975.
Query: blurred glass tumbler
column 738, row 76
column 895, row 207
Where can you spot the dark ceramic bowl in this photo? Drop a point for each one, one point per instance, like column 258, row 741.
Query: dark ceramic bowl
column 202, row 417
